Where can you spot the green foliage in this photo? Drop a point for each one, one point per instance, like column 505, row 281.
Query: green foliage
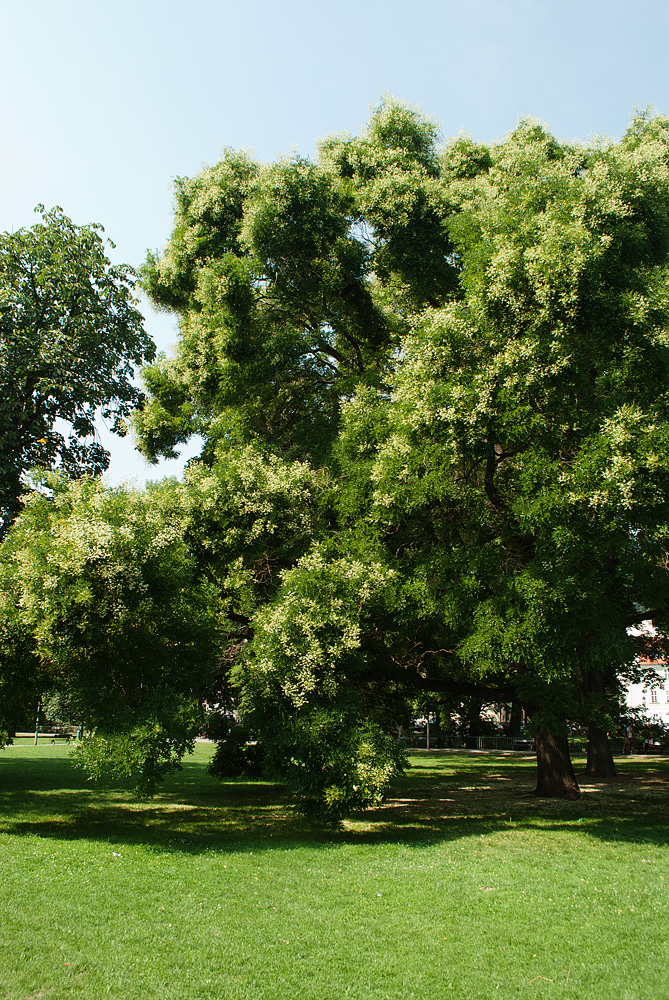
column 62, row 707
column 332, row 761
column 305, row 685
column 309, row 642
column 103, row 591
column 70, row 341
column 473, row 342
column 392, row 175
column 249, row 517
column 432, row 390
column 276, row 271
column 22, row 676
column 237, row 755
column 521, row 458
column 145, row 753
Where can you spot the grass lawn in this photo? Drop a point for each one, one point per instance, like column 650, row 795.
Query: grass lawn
column 461, row 885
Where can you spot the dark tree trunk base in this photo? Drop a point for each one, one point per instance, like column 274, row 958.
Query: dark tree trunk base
column 555, row 774
column 516, row 718
column 600, row 759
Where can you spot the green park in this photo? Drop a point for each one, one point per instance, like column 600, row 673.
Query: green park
column 430, row 383
column 460, row 884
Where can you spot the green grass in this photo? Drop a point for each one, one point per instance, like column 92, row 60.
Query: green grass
column 461, row 885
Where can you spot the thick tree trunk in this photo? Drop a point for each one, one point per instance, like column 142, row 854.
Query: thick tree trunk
column 596, row 700
column 555, row 774
column 600, row 759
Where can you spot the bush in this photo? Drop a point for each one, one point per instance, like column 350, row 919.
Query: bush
column 146, row 751
column 334, row 763
column 238, row 755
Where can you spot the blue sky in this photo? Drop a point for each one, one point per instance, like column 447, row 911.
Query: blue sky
column 105, row 104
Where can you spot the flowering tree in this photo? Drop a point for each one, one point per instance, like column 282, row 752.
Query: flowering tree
column 432, row 390
column 103, row 592
column 520, row 457
column 134, row 603
column 473, row 341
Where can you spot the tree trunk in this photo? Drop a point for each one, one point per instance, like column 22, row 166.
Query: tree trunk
column 473, row 708
column 597, row 701
column 600, row 759
column 555, row 774
column 516, row 718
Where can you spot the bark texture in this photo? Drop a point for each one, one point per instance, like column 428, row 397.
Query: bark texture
column 555, row 774
column 600, row 759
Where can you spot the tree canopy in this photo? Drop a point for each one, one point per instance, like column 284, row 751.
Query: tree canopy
column 294, row 282
column 104, row 596
column 432, row 386
column 70, row 341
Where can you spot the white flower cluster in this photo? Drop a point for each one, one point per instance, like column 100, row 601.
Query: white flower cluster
column 320, row 619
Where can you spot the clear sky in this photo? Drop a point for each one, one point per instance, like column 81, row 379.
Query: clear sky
column 104, row 104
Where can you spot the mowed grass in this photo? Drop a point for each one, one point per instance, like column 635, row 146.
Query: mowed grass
column 461, row 885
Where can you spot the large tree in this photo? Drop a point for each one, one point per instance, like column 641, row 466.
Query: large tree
column 518, row 463
column 473, row 343
column 70, row 340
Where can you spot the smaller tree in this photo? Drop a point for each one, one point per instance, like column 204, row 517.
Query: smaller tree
column 100, row 598
column 305, row 682
column 70, row 339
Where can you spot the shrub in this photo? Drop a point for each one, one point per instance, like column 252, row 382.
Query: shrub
column 238, row 755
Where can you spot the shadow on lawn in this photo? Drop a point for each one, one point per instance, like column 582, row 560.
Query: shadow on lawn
column 445, row 797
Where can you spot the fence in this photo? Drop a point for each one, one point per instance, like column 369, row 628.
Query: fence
column 439, row 742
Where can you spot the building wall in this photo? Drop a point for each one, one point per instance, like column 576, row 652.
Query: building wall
column 652, row 701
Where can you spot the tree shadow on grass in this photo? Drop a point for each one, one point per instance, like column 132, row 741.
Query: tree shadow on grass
column 445, row 797
column 634, row 807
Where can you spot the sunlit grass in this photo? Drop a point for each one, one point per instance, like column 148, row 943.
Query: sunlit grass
column 462, row 885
